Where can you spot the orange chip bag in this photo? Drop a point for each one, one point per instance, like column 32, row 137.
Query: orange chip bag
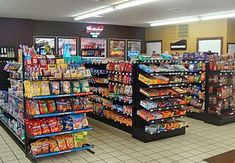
column 69, row 141
column 61, row 143
column 45, row 146
column 36, row 148
column 53, row 146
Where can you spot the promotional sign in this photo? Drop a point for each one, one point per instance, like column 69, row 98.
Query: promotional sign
column 67, row 47
column 133, row 49
column 93, row 47
column 179, row 45
column 45, row 45
column 94, row 30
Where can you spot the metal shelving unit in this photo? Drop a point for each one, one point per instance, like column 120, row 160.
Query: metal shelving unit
column 139, row 123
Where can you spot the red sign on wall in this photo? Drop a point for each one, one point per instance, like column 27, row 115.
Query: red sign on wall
column 94, row 30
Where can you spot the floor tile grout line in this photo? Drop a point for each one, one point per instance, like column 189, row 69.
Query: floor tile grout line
column 10, row 147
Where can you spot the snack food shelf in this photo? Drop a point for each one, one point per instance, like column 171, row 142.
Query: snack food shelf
column 54, row 79
column 162, row 119
column 158, row 132
column 168, row 73
column 12, row 115
column 59, row 133
column 163, row 108
column 61, row 95
column 117, row 83
column 164, row 97
column 222, row 72
column 85, row 147
column 160, row 61
column 117, row 99
column 60, row 113
column 164, row 85
column 118, row 111
column 12, row 132
column 15, row 80
column 120, row 73
column 195, row 61
column 111, row 122
column 16, row 97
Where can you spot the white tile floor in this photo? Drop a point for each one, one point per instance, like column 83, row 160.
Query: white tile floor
column 114, row 146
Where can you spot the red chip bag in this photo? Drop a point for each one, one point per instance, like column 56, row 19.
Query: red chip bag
column 45, row 126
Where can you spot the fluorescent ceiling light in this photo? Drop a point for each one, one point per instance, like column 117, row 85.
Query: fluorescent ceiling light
column 112, row 7
column 218, row 16
column 95, row 13
column 132, row 4
column 175, row 21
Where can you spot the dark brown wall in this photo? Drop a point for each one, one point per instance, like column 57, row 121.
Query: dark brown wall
column 15, row 31
column 21, row 31
column 51, row 28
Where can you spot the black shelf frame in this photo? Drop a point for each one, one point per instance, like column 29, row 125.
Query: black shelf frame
column 29, row 139
column 216, row 119
column 139, row 123
column 197, row 116
column 111, row 122
column 115, row 100
column 192, row 114
column 146, row 137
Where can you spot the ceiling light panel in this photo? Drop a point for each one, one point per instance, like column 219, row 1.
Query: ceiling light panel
column 95, row 13
column 175, row 21
column 132, row 4
column 221, row 15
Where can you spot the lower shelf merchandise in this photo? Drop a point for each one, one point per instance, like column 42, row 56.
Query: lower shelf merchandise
column 55, row 145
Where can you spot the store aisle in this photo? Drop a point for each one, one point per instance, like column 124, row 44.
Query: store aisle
column 112, row 145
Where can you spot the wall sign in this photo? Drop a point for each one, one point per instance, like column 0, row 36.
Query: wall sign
column 94, row 30
column 179, row 45
column 213, row 44
column 153, row 47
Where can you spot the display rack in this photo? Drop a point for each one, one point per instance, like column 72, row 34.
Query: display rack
column 196, row 80
column 110, row 107
column 55, row 102
column 154, row 117
column 220, row 83
column 11, row 104
column 45, row 109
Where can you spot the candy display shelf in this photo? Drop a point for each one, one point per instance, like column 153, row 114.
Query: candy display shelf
column 220, row 84
column 196, row 82
column 110, row 105
column 152, row 109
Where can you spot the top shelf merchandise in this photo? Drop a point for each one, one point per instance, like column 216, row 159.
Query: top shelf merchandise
column 220, row 90
column 160, row 98
column 56, row 102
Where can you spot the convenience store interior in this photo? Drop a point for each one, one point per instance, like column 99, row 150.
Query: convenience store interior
column 117, row 81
